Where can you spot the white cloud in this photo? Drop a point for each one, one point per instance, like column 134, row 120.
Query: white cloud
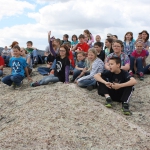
column 13, row 7
column 72, row 17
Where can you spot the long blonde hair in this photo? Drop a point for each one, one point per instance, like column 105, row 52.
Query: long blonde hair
column 94, row 51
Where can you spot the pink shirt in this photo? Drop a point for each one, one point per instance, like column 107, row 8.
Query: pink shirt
column 136, row 55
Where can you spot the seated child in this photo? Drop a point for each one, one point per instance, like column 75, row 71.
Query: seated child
column 116, row 85
column 2, row 63
column 137, row 60
column 79, row 66
column 100, row 52
column 74, row 41
column 98, row 39
column 19, row 67
column 27, row 57
column 60, row 71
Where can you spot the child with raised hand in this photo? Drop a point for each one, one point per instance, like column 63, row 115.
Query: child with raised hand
column 79, row 65
column 60, row 69
column 137, row 60
column 116, row 85
column 128, row 43
column 108, row 46
column 2, row 63
column 96, row 66
column 100, row 52
column 18, row 69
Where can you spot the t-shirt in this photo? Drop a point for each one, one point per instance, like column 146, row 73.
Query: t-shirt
column 83, row 47
column 124, row 58
column 111, row 77
column 5, row 52
column 18, row 65
column 101, row 55
column 147, row 43
column 107, row 52
column 29, row 50
column 2, row 63
column 74, row 43
column 60, row 68
column 71, row 58
column 142, row 54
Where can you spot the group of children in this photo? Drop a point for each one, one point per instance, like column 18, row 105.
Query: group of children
column 109, row 70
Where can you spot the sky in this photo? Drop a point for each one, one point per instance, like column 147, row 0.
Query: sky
column 24, row 20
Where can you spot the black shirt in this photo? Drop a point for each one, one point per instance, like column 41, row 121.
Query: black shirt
column 101, row 55
column 122, row 77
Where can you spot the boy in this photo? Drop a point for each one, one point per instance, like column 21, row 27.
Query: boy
column 19, row 67
column 33, row 51
column 100, row 52
column 2, row 63
column 115, row 85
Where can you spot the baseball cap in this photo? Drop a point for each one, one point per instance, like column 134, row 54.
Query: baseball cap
column 109, row 34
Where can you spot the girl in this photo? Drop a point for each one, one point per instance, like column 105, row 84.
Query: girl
column 60, row 71
column 74, row 41
column 137, row 60
column 108, row 46
column 27, row 57
column 14, row 43
column 96, row 66
column 90, row 37
column 128, row 43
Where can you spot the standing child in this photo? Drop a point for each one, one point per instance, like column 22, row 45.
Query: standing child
column 96, row 66
column 108, row 46
column 116, row 85
column 60, row 71
column 137, row 60
column 2, row 63
column 19, row 67
column 6, row 55
column 128, row 43
column 100, row 52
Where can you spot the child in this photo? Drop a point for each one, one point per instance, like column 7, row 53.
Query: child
column 60, row 71
column 6, row 55
column 2, row 63
column 98, row 39
column 116, row 85
column 74, row 41
column 80, row 65
column 145, row 39
column 65, row 39
column 19, row 67
column 128, row 43
column 90, row 37
column 137, row 58
column 100, row 52
column 33, row 51
column 96, row 66
column 108, row 46
column 115, row 37
column 14, row 43
column 27, row 57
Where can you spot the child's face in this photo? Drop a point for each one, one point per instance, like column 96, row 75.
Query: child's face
column 81, row 40
column 74, row 39
column 16, row 52
column 107, row 44
column 29, row 45
column 144, row 35
column 114, row 38
column 91, row 56
column 139, row 36
column 139, row 47
column 128, row 37
column 113, row 66
column 56, row 43
column 64, row 38
column 86, row 38
column 62, row 52
column 22, row 52
column 80, row 57
column 98, row 38
column 117, row 47
column 98, row 48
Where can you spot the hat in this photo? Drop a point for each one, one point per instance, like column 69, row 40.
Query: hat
column 13, row 44
column 109, row 34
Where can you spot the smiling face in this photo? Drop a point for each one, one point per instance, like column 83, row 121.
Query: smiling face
column 139, row 47
column 80, row 57
column 98, row 38
column 16, row 52
column 144, row 35
column 62, row 52
column 91, row 56
column 128, row 37
column 117, row 47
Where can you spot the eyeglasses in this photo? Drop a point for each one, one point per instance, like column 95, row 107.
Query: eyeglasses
column 62, row 51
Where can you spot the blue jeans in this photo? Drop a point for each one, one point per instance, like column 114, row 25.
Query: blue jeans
column 12, row 78
column 139, row 64
column 34, row 56
column 1, row 73
column 146, row 69
column 87, row 82
column 47, row 79
column 76, row 73
column 44, row 70
column 6, row 59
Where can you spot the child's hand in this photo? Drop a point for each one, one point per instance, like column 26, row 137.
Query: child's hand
column 109, row 85
column 49, row 33
column 30, row 79
column 116, row 86
column 52, row 72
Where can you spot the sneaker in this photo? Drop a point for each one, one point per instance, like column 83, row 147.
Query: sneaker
column 108, row 102
column 34, row 84
column 18, row 87
column 125, row 109
column 141, row 76
column 131, row 73
column 90, row 88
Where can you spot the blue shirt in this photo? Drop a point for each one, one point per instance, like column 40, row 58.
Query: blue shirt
column 18, row 65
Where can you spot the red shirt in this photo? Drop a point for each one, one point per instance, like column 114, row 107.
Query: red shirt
column 83, row 47
column 71, row 59
column 136, row 55
column 2, row 63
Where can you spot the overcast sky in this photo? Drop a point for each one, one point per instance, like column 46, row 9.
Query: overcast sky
column 24, row 20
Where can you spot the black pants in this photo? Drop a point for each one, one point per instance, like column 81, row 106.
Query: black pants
column 120, row 95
